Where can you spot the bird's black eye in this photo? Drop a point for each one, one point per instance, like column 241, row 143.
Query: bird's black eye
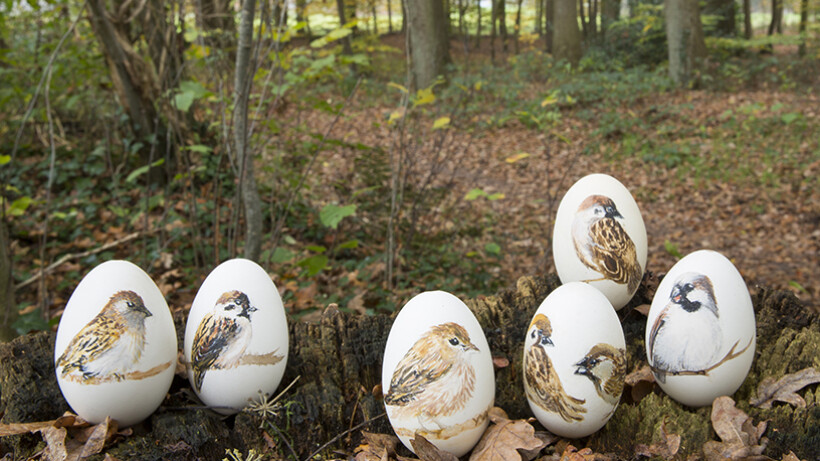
column 130, row 304
column 689, row 287
column 545, row 340
column 454, row 341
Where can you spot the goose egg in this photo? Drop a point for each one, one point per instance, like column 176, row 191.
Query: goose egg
column 599, row 238
column 437, row 374
column 700, row 331
column 116, row 347
column 236, row 338
column 574, row 361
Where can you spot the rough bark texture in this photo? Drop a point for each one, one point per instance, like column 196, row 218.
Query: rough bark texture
column 566, row 41
column 339, row 361
column 8, row 307
column 747, row 19
column 429, row 45
column 684, row 37
column 804, row 20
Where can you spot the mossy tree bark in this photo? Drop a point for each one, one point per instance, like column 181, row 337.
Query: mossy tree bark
column 429, row 43
column 684, row 36
column 8, row 312
column 566, row 41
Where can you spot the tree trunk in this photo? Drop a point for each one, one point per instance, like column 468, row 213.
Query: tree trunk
column 389, row 16
column 478, row 25
column 375, row 18
column 493, row 29
column 217, row 19
column 593, row 19
column 747, row 19
column 301, row 16
column 610, row 12
column 684, row 37
column 136, row 84
column 502, row 23
column 804, row 19
column 549, row 24
column 518, row 25
column 429, row 44
column 584, row 22
column 725, row 11
column 242, row 88
column 777, row 17
column 567, row 37
column 347, row 48
column 8, row 313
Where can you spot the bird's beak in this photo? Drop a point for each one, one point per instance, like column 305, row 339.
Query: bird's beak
column 582, row 367
column 470, row 347
column 613, row 213
column 247, row 312
column 145, row 311
column 676, row 295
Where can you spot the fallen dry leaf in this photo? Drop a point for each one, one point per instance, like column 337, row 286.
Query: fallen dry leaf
column 740, row 437
column 546, row 439
column 666, row 448
column 785, row 388
column 640, row 382
column 502, row 440
column 501, row 362
column 643, row 309
column 426, row 451
column 571, row 453
column 790, row 456
column 376, row 447
column 356, row 303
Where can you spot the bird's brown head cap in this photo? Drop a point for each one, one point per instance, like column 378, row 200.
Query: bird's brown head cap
column 606, row 204
column 237, row 299
column 129, row 302
column 455, row 335
column 542, row 323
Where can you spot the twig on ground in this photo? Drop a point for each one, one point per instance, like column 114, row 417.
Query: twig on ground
column 334, row 439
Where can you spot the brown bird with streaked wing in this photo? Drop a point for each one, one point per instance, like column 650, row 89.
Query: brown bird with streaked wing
column 435, row 377
column 605, row 366
column 603, row 245
column 111, row 343
column 541, row 382
column 223, row 335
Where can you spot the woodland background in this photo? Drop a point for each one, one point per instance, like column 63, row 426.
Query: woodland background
column 362, row 155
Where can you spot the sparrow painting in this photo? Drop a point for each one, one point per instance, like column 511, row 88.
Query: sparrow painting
column 111, row 343
column 686, row 335
column 602, row 244
column 605, row 366
column 223, row 335
column 435, row 377
column 541, row 381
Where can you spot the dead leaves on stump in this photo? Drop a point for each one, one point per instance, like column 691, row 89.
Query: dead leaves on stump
column 69, row 437
column 785, row 389
column 740, row 438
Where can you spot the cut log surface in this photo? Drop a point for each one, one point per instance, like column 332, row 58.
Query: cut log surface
column 339, row 359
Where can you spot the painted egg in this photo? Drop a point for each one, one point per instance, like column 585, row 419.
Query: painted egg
column 700, row 331
column 116, row 347
column 574, row 361
column 236, row 338
column 437, row 375
column 599, row 238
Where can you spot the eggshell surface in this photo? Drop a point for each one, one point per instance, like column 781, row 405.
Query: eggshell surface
column 574, row 361
column 437, row 373
column 700, row 331
column 116, row 346
column 599, row 237
column 236, row 337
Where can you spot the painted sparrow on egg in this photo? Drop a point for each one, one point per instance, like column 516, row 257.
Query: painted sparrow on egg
column 541, row 381
column 223, row 335
column 602, row 244
column 435, row 377
column 111, row 343
column 686, row 335
column 605, row 366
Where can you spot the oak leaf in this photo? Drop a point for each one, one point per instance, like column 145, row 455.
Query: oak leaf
column 504, row 438
column 785, row 388
column 741, row 439
column 571, row 453
column 426, row 451
column 665, row 448
column 640, row 382
column 376, row 447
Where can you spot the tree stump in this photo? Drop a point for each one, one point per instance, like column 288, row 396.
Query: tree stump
column 338, row 360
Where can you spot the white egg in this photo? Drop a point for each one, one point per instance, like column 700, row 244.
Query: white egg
column 574, row 361
column 236, row 338
column 700, row 331
column 599, row 237
column 116, row 347
column 437, row 374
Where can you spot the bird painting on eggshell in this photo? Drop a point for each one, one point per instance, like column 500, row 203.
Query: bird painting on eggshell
column 111, row 343
column 605, row 366
column 435, row 377
column 686, row 335
column 602, row 244
column 541, row 381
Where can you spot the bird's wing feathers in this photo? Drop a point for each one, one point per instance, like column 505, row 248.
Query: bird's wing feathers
column 653, row 333
column 211, row 337
column 616, row 253
column 545, row 388
column 412, row 375
column 100, row 335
